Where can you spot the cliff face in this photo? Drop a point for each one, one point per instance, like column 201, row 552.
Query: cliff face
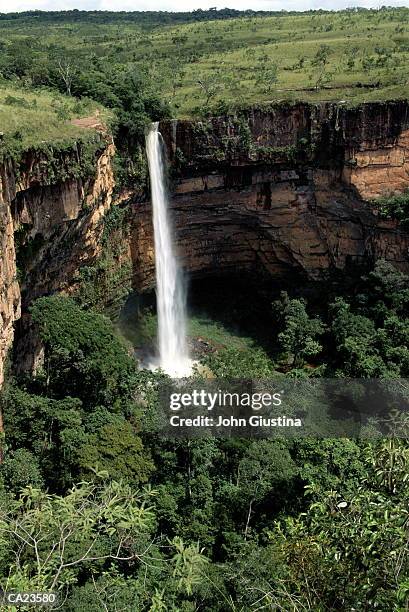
column 9, row 288
column 50, row 223
column 60, row 224
column 270, row 192
column 380, row 171
column 282, row 190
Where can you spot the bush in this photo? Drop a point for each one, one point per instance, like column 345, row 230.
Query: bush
column 16, row 101
column 396, row 207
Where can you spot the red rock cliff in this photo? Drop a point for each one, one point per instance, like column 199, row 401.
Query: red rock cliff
column 283, row 189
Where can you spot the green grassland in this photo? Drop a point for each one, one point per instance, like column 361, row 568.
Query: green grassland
column 243, row 60
column 141, row 330
column 199, row 66
column 243, row 57
column 31, row 118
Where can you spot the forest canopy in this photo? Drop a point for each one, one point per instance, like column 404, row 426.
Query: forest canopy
column 223, row 523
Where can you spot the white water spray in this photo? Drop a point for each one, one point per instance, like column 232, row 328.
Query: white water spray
column 170, row 294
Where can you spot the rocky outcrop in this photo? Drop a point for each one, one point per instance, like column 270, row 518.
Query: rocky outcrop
column 282, row 190
column 51, row 208
column 381, row 171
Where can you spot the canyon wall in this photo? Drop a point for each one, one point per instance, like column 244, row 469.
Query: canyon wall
column 272, row 191
column 51, row 206
column 9, row 287
column 281, row 190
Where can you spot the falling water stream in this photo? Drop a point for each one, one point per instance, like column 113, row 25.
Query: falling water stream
column 170, row 292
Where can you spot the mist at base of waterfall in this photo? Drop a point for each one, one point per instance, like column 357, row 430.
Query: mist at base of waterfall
column 183, row 369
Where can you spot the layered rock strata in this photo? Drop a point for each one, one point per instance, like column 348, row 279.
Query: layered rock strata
column 283, row 189
column 268, row 191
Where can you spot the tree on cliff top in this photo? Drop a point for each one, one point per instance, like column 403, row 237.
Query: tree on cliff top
column 210, row 86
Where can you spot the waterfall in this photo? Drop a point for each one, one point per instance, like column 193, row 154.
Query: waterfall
column 170, row 293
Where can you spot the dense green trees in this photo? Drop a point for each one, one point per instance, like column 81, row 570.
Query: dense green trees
column 299, row 334
column 363, row 333
column 230, row 363
column 50, row 538
column 80, row 411
column 348, row 551
column 371, row 332
column 83, row 357
column 225, row 524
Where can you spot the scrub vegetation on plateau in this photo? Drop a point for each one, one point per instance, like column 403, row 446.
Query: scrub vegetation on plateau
column 123, row 70
column 212, row 59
